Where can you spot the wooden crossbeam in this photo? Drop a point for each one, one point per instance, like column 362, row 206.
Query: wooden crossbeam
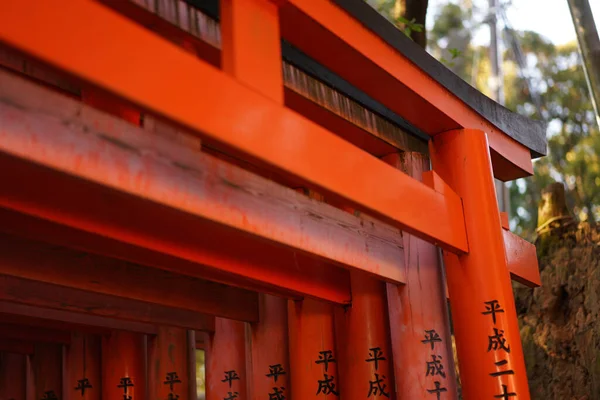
column 16, row 346
column 44, row 295
column 330, row 108
column 227, row 112
column 68, row 320
column 198, row 245
column 522, row 260
column 521, row 255
column 331, row 36
column 325, row 231
column 57, row 265
column 22, row 225
column 221, row 193
column 31, row 334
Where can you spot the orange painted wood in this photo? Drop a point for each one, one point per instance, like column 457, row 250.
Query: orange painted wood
column 335, row 236
column 38, row 229
column 481, row 297
column 228, row 112
column 39, row 294
column 42, row 74
column 124, row 363
column 169, row 365
column 371, row 239
column 16, row 346
column 268, row 350
column 251, row 47
column 32, row 334
column 179, row 33
column 521, row 255
column 522, row 260
column 111, row 105
column 44, row 317
column 46, row 362
column 430, row 178
column 251, row 53
column 167, row 234
column 83, row 376
column 313, row 351
column 363, row 342
column 226, row 374
column 61, row 266
column 13, row 376
column 333, row 38
column 418, row 312
column 167, row 29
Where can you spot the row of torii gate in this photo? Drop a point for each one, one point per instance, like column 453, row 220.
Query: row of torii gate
column 275, row 183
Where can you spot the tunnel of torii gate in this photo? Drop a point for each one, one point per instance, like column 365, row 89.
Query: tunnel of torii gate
column 289, row 195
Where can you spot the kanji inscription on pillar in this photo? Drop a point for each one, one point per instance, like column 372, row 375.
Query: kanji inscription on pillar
column 229, row 377
column 327, row 384
column 49, row 395
column 126, row 383
column 377, row 385
column 434, row 366
column 83, row 385
column 498, row 344
column 278, row 392
column 171, row 380
column 275, row 371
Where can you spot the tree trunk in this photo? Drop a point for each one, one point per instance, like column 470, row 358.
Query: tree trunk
column 416, row 9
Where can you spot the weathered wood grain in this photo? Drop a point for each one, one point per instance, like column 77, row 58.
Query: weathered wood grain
column 40, row 294
column 43, row 262
column 60, row 133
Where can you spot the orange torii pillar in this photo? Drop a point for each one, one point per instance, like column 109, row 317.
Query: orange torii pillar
column 82, row 376
column 46, row 362
column 251, row 53
column 313, row 355
column 12, row 376
column 169, row 365
column 484, row 317
column 124, row 366
column 363, row 341
column 422, row 345
column 312, row 345
column 268, row 345
column 226, row 361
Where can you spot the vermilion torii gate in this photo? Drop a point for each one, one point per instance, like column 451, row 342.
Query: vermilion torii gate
column 269, row 180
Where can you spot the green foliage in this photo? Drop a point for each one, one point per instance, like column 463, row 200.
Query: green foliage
column 408, row 27
column 449, row 39
column 454, row 53
column 449, row 18
column 386, row 8
column 574, row 139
